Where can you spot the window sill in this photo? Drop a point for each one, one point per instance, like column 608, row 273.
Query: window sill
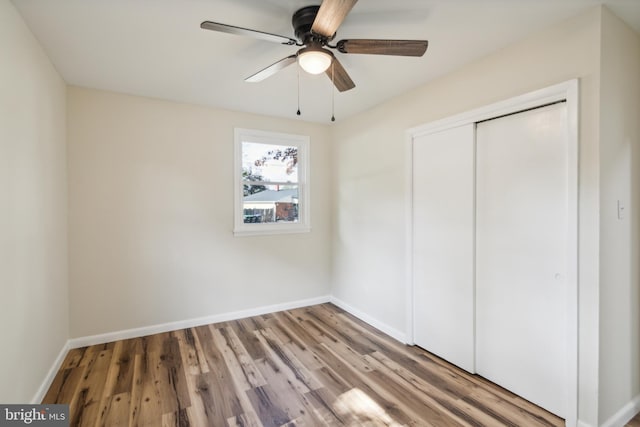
column 265, row 230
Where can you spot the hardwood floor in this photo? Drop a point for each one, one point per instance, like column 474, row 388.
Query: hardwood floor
column 312, row 366
column 635, row 422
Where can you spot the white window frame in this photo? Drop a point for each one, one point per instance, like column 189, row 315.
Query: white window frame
column 301, row 142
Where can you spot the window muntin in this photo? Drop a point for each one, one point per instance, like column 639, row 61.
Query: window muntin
column 271, row 191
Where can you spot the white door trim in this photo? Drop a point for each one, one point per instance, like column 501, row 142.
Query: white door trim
column 566, row 91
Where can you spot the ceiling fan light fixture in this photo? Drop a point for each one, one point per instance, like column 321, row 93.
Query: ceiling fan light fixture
column 314, row 59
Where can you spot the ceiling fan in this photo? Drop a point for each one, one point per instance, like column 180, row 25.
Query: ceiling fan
column 315, row 28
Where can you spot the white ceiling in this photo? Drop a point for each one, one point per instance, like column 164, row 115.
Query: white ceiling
column 156, row 48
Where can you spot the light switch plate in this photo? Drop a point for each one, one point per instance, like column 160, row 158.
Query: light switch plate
column 621, row 209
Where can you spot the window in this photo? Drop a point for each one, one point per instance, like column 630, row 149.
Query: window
column 271, row 183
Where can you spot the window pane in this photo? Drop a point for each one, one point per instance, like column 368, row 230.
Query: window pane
column 270, row 163
column 270, row 203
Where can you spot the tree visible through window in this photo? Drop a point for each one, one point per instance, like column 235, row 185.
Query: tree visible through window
column 273, row 183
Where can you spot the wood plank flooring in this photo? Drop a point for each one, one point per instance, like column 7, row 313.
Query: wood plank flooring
column 313, row 366
column 635, row 422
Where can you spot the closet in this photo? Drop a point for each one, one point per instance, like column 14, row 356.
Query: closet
column 493, row 250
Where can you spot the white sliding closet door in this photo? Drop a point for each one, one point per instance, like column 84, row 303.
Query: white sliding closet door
column 521, row 254
column 443, row 174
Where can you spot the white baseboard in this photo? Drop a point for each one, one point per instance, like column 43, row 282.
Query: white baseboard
column 392, row 332
column 190, row 323
column 625, row 414
column 48, row 380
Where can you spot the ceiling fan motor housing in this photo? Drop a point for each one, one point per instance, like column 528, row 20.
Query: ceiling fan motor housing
column 302, row 22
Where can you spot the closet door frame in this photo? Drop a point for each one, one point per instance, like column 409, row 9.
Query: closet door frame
column 567, row 92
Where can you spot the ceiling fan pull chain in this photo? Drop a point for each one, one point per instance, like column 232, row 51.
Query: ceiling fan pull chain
column 298, row 112
column 333, row 92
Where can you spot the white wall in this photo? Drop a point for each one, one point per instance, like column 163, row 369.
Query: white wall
column 369, row 249
column 33, row 207
column 619, row 238
column 151, row 214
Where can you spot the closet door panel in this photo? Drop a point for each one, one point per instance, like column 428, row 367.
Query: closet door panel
column 521, row 254
column 443, row 216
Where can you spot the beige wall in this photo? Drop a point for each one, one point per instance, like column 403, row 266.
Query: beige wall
column 33, row 207
column 151, row 214
column 371, row 170
column 619, row 238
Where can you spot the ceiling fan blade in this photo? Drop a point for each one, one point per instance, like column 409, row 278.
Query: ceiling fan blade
column 271, row 69
column 384, row 47
column 339, row 76
column 231, row 29
column 330, row 16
